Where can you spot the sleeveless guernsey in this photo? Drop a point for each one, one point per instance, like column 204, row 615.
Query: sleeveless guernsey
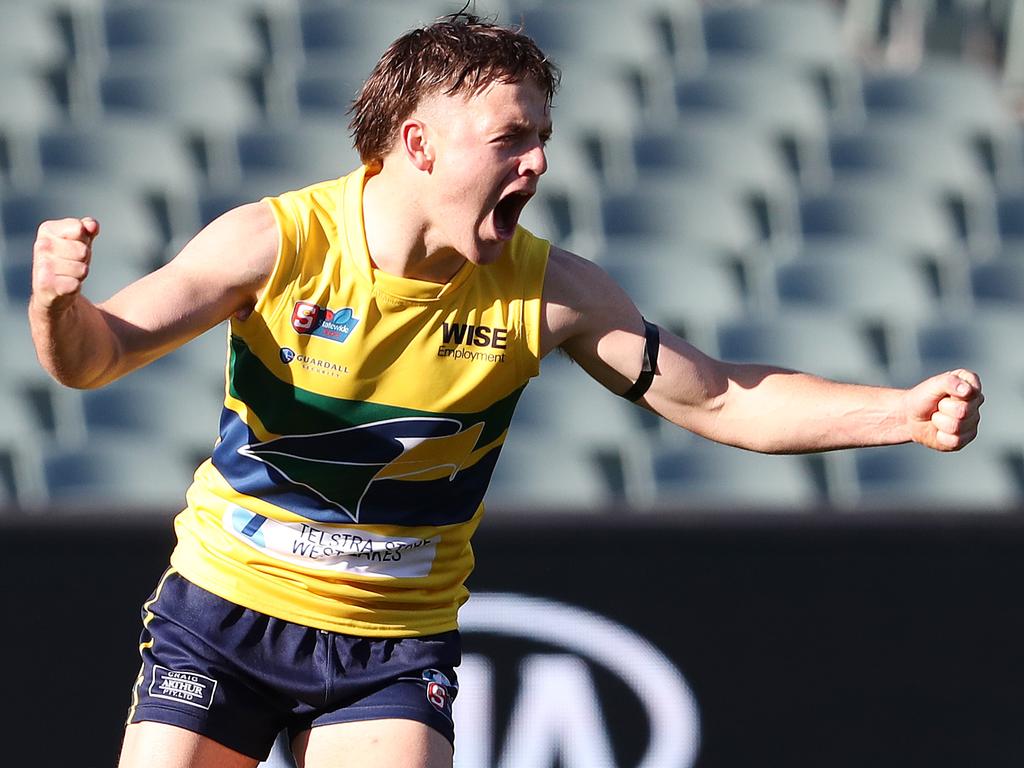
column 362, row 419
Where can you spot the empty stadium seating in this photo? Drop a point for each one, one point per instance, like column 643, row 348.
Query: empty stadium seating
column 749, row 179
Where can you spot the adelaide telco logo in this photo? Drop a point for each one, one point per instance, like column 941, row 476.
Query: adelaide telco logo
column 556, row 715
column 314, row 320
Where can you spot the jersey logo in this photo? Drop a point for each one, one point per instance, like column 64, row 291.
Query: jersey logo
column 340, row 466
column 314, row 320
column 474, row 335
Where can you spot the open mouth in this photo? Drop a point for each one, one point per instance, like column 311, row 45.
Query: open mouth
column 507, row 212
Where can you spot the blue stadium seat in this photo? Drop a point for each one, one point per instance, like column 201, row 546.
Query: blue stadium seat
column 540, row 470
column 774, row 99
column 823, row 343
column 946, row 91
column 179, row 409
column 21, row 439
column 585, row 30
column 199, row 101
column 702, row 475
column 106, row 277
column 681, row 286
column 295, row 157
column 29, row 102
column 805, row 35
column 918, row 153
column 321, row 93
column 220, row 36
column 886, row 290
column 31, row 38
column 132, row 231
column 141, row 474
column 58, row 416
column 574, row 178
column 999, row 283
column 957, row 95
column 203, row 360
column 908, row 478
column 888, row 212
column 722, row 152
column 1010, row 214
column 986, row 341
column 712, row 216
column 210, row 106
column 356, row 34
column 148, row 158
column 872, row 289
column 677, row 24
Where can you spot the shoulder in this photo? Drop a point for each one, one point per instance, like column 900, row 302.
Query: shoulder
column 578, row 294
column 574, row 284
column 248, row 233
column 236, row 251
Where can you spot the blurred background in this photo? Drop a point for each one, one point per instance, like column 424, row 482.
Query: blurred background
column 832, row 186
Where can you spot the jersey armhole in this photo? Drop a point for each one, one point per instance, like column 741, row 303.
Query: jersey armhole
column 290, row 236
column 533, row 270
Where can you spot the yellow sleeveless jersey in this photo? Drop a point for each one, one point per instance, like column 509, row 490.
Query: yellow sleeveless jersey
column 362, row 419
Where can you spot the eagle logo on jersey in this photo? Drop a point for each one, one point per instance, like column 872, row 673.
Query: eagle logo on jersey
column 340, row 466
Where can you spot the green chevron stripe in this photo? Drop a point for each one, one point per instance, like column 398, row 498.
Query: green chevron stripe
column 286, row 409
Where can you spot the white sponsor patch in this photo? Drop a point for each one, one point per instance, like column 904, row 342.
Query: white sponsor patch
column 187, row 687
column 334, row 548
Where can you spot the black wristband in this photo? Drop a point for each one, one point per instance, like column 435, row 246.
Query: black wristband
column 651, row 346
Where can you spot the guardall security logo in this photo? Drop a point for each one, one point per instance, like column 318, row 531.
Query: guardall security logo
column 314, row 364
column 489, row 342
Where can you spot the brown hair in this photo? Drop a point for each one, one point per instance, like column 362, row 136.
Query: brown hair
column 459, row 53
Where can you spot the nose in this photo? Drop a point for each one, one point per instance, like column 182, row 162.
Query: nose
column 534, row 161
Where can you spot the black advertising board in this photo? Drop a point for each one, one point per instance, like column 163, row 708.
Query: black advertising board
column 613, row 641
column 802, row 641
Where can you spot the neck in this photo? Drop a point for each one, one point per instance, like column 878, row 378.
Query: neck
column 403, row 244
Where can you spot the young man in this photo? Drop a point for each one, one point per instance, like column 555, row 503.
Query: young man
column 383, row 326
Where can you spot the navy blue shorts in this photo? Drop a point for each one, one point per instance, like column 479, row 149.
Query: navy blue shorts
column 240, row 677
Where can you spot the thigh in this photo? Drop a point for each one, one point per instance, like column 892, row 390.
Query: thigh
column 158, row 745
column 392, row 743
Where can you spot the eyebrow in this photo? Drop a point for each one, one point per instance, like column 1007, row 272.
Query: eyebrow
column 521, row 126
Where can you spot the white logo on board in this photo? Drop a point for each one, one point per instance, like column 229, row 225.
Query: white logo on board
column 557, row 711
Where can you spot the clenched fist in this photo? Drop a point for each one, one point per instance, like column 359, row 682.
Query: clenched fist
column 60, row 261
column 943, row 411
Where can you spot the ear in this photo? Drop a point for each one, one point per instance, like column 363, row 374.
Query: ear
column 416, row 144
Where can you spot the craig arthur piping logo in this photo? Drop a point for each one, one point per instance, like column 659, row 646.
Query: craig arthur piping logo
column 314, row 320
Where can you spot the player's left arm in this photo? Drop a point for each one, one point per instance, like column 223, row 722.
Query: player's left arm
column 759, row 407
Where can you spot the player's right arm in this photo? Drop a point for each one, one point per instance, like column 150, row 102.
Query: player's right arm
column 219, row 273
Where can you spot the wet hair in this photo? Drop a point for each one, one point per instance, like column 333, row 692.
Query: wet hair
column 458, row 54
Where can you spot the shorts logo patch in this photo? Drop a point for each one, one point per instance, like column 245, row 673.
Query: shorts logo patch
column 438, row 696
column 440, row 690
column 188, row 687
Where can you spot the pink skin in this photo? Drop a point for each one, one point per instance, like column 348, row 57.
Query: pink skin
column 489, row 145
column 456, row 158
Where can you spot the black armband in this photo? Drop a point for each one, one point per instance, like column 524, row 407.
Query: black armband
column 651, row 346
